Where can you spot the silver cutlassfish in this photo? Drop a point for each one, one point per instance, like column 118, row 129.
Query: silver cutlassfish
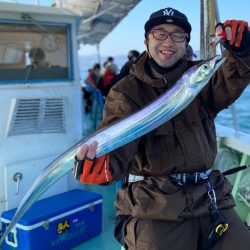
column 126, row 130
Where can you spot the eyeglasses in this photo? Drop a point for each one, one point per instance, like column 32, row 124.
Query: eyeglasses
column 161, row 35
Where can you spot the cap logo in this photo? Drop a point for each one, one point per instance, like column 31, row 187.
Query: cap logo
column 168, row 12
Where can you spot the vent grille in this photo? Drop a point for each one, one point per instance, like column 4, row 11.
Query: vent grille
column 37, row 116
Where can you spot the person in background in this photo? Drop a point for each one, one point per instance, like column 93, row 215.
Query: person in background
column 94, row 76
column 110, row 71
column 111, row 65
column 92, row 82
column 132, row 56
column 37, row 58
column 172, row 197
column 190, row 53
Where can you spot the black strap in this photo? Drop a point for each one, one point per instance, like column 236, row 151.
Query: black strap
column 78, row 166
column 234, row 170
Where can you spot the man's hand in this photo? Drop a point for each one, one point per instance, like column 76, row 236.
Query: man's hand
column 237, row 35
column 91, row 170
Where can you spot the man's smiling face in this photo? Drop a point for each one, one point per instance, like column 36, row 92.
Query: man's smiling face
column 166, row 52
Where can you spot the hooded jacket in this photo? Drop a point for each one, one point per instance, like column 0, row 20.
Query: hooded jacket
column 186, row 143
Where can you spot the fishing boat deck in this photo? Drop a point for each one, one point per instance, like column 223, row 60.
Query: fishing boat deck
column 105, row 240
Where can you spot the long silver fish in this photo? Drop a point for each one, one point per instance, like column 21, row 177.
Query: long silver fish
column 126, row 130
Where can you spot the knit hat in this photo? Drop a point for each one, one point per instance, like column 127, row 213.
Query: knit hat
column 169, row 16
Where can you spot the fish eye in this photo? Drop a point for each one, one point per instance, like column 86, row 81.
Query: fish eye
column 205, row 67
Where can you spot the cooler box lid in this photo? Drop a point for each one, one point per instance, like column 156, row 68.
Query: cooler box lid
column 54, row 206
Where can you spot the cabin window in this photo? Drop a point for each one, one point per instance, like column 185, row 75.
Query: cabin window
column 34, row 53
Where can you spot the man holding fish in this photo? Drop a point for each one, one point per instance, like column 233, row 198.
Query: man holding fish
column 171, row 198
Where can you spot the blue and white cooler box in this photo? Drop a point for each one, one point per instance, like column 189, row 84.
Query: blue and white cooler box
column 58, row 222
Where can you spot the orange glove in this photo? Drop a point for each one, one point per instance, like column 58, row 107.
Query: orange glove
column 237, row 35
column 235, row 30
column 92, row 171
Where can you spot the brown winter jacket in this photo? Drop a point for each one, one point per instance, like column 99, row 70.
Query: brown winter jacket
column 187, row 143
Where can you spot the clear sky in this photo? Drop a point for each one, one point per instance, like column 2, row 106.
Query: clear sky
column 129, row 33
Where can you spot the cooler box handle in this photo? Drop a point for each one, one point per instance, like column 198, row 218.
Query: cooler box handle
column 13, row 241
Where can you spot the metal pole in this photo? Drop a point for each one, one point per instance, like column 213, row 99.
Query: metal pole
column 98, row 53
column 206, row 27
column 211, row 24
column 217, row 13
column 202, row 35
column 232, row 107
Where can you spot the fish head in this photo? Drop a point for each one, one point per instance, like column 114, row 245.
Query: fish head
column 202, row 73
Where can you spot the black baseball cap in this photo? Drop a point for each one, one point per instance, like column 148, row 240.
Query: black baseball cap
column 169, row 16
